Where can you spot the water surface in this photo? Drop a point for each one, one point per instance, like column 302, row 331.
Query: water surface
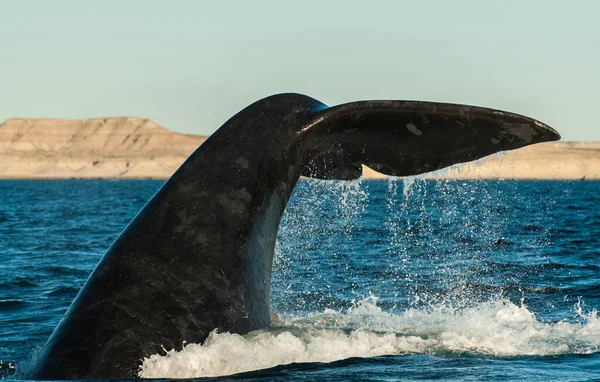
column 411, row 280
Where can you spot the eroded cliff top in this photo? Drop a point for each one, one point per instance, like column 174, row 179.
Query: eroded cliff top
column 91, row 148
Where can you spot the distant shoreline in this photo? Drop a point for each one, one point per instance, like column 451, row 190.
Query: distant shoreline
column 137, row 148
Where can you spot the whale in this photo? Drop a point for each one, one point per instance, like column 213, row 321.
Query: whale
column 198, row 256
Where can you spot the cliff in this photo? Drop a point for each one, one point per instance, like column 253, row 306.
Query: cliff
column 93, row 148
column 550, row 161
column 139, row 148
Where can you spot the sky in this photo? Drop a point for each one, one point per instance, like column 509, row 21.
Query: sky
column 191, row 65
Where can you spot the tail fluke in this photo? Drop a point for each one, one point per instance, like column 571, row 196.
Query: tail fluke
column 403, row 138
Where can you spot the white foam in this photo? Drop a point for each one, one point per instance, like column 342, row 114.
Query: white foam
column 496, row 328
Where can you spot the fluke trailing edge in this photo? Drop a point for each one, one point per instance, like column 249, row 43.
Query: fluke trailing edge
column 198, row 256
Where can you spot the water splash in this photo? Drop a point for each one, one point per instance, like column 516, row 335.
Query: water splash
column 435, row 240
column 321, row 220
column 7, row 368
column 495, row 328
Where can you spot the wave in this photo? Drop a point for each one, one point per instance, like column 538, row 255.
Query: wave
column 496, row 328
column 63, row 291
column 12, row 304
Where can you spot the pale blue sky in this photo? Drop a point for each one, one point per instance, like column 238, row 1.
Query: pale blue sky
column 190, row 65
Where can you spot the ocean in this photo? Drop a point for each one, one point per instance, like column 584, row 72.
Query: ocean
column 408, row 279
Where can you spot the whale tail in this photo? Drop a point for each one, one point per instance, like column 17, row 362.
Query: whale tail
column 402, row 138
column 198, row 256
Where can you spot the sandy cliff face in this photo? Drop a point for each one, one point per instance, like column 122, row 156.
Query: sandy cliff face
column 94, row 148
column 139, row 148
column 553, row 160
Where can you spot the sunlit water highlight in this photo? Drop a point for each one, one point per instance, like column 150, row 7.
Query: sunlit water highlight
column 486, row 280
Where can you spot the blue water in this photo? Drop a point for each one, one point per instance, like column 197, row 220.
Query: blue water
column 373, row 280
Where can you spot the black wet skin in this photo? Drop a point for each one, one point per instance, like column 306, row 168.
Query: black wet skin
column 198, row 256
